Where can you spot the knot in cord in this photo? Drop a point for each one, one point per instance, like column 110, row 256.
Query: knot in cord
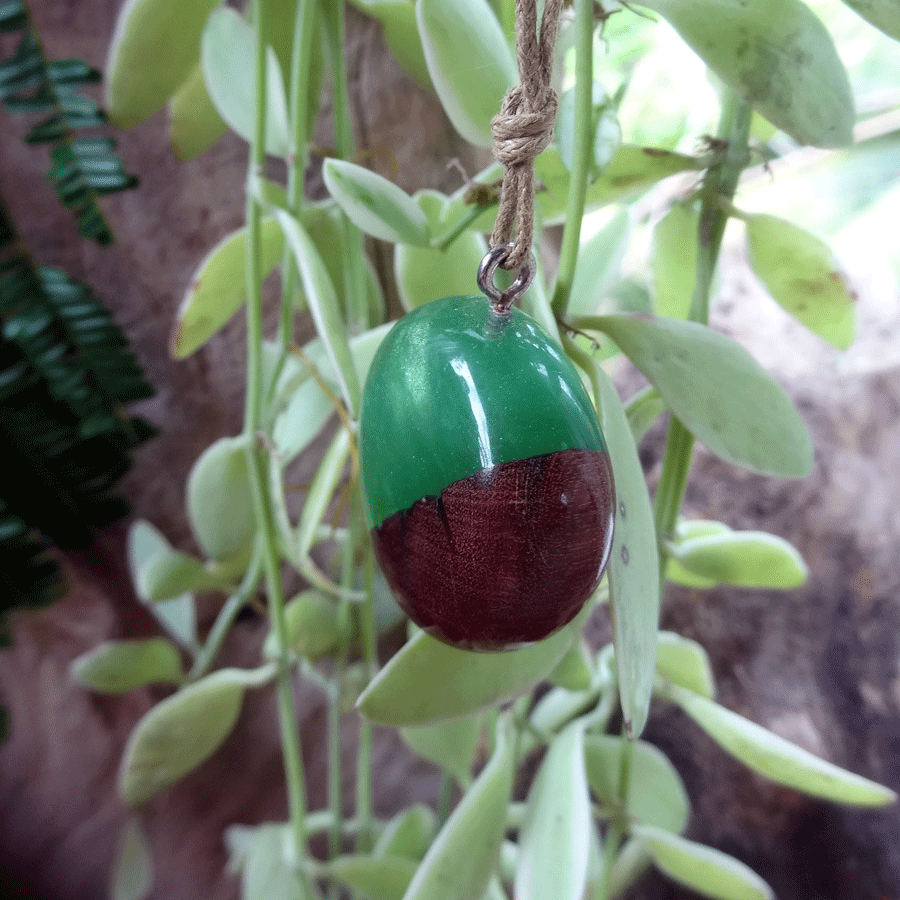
column 520, row 133
column 524, row 127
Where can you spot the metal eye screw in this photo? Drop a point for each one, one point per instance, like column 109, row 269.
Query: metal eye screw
column 502, row 301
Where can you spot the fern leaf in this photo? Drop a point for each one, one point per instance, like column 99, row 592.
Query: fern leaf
column 81, row 169
column 29, row 575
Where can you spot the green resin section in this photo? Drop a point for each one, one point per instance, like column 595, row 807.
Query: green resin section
column 453, row 389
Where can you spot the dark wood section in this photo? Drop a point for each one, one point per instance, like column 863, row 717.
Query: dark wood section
column 506, row 556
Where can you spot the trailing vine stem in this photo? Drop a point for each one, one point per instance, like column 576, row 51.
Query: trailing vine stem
column 719, row 184
column 581, row 157
column 256, row 463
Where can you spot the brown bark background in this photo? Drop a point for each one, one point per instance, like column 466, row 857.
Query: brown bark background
column 818, row 665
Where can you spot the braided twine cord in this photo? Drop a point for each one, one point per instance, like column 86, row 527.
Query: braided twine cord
column 524, row 127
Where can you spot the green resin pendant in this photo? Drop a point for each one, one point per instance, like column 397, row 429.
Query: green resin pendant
column 486, row 477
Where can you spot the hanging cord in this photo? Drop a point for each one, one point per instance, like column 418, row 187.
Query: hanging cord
column 524, row 127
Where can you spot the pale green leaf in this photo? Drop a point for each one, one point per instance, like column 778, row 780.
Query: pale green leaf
column 409, row 834
column 375, row 205
column 227, row 54
column 717, row 390
column 321, row 490
column 674, row 261
column 801, row 273
column 776, row 758
column 631, row 170
column 743, row 559
column 633, row 566
column 642, row 410
column 194, row 123
column 115, row 667
column 218, row 287
column 599, row 262
column 401, row 34
column 312, row 627
column 170, row 574
column 777, row 56
column 220, row 499
column 554, row 841
column 450, row 745
column 375, row 877
column 655, row 792
column 177, row 616
column 470, row 63
column 684, row 662
column 179, row 733
column 428, row 681
column 266, row 872
column 324, row 306
column 632, row 861
column 132, row 874
column 459, row 864
column 424, row 274
column 148, row 32
column 883, row 14
column 575, row 671
column 707, row 871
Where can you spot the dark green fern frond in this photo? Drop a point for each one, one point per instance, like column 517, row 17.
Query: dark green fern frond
column 52, row 477
column 70, row 340
column 82, row 169
column 29, row 575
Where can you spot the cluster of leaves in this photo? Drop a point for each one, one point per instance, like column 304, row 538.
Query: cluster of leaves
column 445, row 700
column 65, row 368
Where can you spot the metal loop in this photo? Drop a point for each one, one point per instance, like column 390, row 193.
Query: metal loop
column 501, row 301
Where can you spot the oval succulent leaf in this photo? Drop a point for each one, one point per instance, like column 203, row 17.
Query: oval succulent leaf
column 115, row 667
column 132, row 875
column 707, row 871
column 459, row 864
column 146, row 32
column 883, row 14
column 194, row 123
column 220, row 500
column 633, row 567
column 743, row 559
column 776, row 758
column 376, row 877
column 469, row 60
column 227, row 55
column 450, row 745
column 428, row 681
column 655, row 792
column 401, row 34
column 178, row 734
column 375, row 205
column 675, row 241
column 218, row 287
column 801, row 273
column 409, row 834
column 554, row 841
column 777, row 56
column 684, row 662
column 718, row 391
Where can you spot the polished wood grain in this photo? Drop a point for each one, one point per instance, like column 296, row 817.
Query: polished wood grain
column 506, row 556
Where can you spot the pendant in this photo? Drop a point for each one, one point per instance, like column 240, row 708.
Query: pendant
column 486, row 477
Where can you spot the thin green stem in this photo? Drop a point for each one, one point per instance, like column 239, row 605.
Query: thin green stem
column 443, row 241
column 445, row 798
column 256, row 462
column 369, row 639
column 717, row 194
column 582, row 141
column 344, row 145
column 227, row 614
column 298, row 92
